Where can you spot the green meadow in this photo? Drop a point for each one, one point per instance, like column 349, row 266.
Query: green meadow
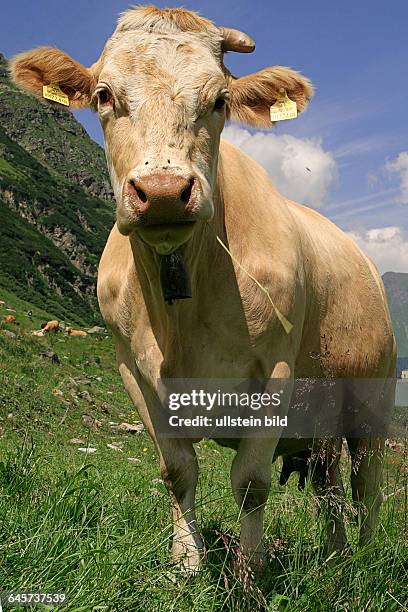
column 96, row 525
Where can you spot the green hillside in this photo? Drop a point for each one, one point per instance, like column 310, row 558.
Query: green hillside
column 56, row 206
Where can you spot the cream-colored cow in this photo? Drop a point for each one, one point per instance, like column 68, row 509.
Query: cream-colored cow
column 79, row 333
column 162, row 93
column 50, row 327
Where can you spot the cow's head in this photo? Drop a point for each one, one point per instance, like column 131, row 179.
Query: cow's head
column 162, row 93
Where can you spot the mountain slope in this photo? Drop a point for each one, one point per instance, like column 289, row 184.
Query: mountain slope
column 396, row 286
column 56, row 205
column 54, row 137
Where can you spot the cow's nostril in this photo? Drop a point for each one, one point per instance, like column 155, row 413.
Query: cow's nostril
column 135, row 190
column 186, row 193
column 141, row 195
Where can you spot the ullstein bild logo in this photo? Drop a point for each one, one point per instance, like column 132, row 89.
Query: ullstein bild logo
column 228, row 421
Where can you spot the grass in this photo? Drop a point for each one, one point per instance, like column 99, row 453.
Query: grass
column 97, row 526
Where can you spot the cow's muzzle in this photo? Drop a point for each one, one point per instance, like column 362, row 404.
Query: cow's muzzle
column 162, row 197
column 165, row 207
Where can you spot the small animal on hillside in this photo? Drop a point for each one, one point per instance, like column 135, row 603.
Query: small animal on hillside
column 10, row 319
column 76, row 332
column 51, row 326
column 38, row 332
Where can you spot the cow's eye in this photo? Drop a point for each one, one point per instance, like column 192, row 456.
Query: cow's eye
column 105, row 97
column 219, row 103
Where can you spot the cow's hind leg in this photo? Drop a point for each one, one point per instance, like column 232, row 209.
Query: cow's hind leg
column 326, row 479
column 375, row 399
column 367, row 457
column 179, row 469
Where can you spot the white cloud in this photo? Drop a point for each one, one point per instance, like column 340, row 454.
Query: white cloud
column 299, row 167
column 399, row 165
column 387, row 246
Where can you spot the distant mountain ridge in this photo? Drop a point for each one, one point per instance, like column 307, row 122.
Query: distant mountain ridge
column 396, row 286
column 56, row 203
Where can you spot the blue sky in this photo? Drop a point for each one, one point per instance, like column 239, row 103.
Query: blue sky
column 354, row 137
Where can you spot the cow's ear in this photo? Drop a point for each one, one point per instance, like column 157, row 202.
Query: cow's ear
column 252, row 96
column 33, row 69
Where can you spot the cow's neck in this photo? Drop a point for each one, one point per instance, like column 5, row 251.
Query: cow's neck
column 201, row 254
column 225, row 315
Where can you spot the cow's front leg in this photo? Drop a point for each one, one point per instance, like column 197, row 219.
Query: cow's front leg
column 251, row 475
column 178, row 464
column 250, row 479
column 179, row 469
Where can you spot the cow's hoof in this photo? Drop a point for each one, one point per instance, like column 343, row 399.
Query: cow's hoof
column 335, row 557
column 180, row 572
column 189, row 563
column 186, row 569
column 257, row 563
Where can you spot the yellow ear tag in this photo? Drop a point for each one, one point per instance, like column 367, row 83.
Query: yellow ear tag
column 284, row 108
column 53, row 92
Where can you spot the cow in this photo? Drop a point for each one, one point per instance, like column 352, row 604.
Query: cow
column 276, row 290
column 39, row 333
column 50, row 326
column 10, row 319
column 79, row 333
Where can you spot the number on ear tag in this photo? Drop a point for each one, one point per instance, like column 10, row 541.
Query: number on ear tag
column 284, row 108
column 54, row 92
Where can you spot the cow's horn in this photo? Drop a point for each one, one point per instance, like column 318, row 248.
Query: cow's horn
column 234, row 40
